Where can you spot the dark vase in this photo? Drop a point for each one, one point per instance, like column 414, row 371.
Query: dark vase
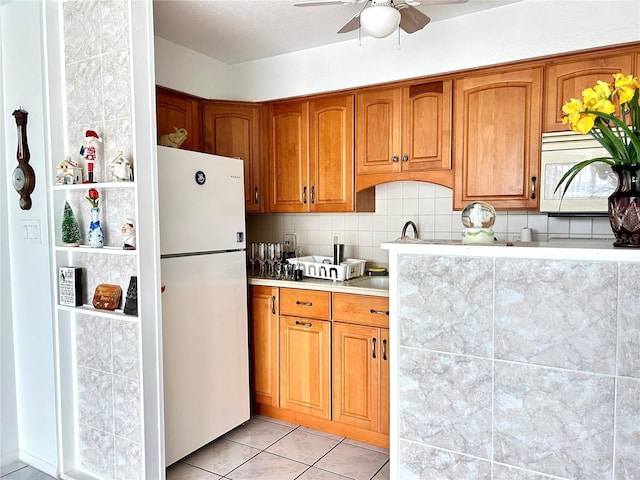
column 624, row 206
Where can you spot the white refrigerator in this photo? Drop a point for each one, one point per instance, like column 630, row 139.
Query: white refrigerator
column 204, row 298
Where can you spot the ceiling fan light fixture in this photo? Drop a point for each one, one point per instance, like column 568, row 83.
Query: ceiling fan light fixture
column 380, row 21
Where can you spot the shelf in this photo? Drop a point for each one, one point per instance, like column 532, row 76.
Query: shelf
column 117, row 314
column 99, row 251
column 84, row 186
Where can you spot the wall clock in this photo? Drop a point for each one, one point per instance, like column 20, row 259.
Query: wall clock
column 24, row 178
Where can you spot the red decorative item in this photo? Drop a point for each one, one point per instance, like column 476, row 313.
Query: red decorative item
column 88, row 151
column 93, row 197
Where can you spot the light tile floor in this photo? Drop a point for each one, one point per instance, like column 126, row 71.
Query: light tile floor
column 21, row 471
column 268, row 449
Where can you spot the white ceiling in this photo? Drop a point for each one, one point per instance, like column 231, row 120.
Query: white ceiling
column 236, row 31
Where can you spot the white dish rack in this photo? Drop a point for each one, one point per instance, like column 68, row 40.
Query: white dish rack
column 322, row 267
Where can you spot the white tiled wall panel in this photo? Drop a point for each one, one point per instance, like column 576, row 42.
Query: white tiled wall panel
column 429, row 206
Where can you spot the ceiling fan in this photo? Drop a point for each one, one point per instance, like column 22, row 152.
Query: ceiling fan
column 380, row 18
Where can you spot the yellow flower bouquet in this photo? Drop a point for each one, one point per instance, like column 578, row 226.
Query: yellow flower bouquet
column 595, row 114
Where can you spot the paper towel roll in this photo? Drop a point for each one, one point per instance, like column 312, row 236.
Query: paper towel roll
column 526, row 235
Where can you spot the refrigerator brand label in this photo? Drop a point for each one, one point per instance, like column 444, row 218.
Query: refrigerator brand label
column 200, row 177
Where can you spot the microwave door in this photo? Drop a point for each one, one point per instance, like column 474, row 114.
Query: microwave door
column 589, row 191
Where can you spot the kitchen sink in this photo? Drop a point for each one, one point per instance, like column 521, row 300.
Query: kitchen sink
column 371, row 282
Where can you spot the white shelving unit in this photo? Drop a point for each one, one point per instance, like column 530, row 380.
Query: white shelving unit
column 79, row 256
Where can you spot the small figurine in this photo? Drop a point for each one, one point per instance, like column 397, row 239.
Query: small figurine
column 174, row 139
column 88, row 151
column 121, row 169
column 68, row 172
column 128, row 233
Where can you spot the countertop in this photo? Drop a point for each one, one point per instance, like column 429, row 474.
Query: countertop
column 309, row 283
column 561, row 249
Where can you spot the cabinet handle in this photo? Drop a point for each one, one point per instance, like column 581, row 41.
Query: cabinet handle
column 405, row 158
column 304, row 195
column 384, row 349
column 373, row 347
column 306, row 304
column 273, row 305
column 533, row 188
column 255, row 195
column 313, row 194
column 379, row 312
column 304, row 324
column 395, row 159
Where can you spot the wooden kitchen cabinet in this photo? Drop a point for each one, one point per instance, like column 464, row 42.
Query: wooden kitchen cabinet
column 263, row 328
column 311, row 155
column 404, row 133
column 497, row 131
column 567, row 79
column 288, row 156
column 305, row 352
column 361, row 361
column 233, row 129
column 179, row 110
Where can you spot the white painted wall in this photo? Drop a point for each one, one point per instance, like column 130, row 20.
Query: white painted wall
column 8, row 408
column 175, row 67
column 526, row 29
column 29, row 261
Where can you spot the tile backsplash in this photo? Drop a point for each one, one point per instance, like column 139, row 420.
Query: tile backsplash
column 428, row 205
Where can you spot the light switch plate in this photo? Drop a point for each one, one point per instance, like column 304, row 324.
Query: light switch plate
column 31, row 231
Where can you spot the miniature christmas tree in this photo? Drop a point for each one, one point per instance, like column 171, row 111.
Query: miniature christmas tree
column 70, row 227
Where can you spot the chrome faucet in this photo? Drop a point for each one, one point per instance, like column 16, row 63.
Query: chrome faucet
column 407, row 225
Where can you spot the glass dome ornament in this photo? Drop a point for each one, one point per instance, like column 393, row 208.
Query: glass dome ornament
column 478, row 218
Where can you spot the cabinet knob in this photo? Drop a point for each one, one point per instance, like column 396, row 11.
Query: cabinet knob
column 533, row 188
column 405, row 158
column 395, row 159
column 273, row 304
column 384, row 349
column 255, row 195
column 306, row 304
column 313, row 194
column 304, row 324
column 379, row 312
column 304, row 195
column 373, row 347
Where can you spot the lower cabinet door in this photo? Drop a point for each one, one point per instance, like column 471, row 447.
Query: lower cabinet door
column 263, row 321
column 357, row 354
column 384, row 382
column 305, row 365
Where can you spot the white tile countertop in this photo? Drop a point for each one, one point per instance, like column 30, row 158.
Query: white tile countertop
column 562, row 249
column 309, row 283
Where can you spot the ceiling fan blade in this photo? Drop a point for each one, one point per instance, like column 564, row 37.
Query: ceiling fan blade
column 354, row 22
column 412, row 19
column 314, row 3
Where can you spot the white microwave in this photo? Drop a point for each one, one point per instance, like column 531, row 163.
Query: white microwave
column 589, row 190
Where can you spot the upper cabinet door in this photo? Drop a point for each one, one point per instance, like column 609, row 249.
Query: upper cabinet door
column 179, row 110
column 566, row 80
column 331, row 137
column 378, row 131
column 426, row 126
column 233, row 130
column 288, row 157
column 497, row 139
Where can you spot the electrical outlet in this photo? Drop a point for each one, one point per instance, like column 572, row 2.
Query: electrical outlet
column 290, row 242
column 336, row 238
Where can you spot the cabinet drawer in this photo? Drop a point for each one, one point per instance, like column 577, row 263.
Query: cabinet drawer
column 361, row 309
column 305, row 303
